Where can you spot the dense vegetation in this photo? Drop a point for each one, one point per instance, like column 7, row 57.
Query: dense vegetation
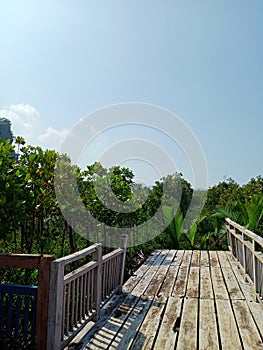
column 31, row 220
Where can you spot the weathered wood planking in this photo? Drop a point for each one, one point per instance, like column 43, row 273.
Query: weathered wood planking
column 132, row 281
column 195, row 262
column 149, row 275
column 170, row 325
column 179, row 289
column 206, row 289
column 184, row 300
column 248, row 330
column 159, row 277
column 204, row 258
column 188, row 331
column 228, row 331
column 186, row 260
column 257, row 314
column 223, row 260
column 208, row 336
column 127, row 333
column 145, row 336
column 214, row 262
column 218, row 283
column 192, row 290
column 178, row 257
column 232, row 285
column 168, row 283
column 109, row 330
column 243, row 282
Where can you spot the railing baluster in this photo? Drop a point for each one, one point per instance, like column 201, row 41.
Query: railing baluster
column 34, row 314
column 17, row 319
column 1, row 313
column 248, row 254
column 9, row 315
column 85, row 288
column 26, row 315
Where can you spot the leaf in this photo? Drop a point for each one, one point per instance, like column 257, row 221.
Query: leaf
column 27, row 177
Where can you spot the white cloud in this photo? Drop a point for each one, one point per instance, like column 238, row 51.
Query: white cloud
column 52, row 137
column 26, row 122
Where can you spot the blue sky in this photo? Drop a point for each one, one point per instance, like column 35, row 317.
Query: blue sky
column 201, row 60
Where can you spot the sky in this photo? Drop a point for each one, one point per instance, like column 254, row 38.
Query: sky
column 62, row 60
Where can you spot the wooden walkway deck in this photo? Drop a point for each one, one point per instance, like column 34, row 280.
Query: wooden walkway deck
column 181, row 300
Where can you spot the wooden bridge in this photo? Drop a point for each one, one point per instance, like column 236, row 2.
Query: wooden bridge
column 188, row 300
column 183, row 300
column 176, row 300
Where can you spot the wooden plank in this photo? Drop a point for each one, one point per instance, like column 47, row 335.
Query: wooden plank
column 178, row 257
column 208, row 337
column 79, row 272
column 218, row 283
column 192, row 290
column 187, row 258
column 181, row 282
column 206, row 290
column 124, row 338
column 112, row 255
column 133, row 281
column 24, row 261
column 223, row 260
column 150, row 273
column 169, row 257
column 160, row 275
column 250, row 337
column 168, row 332
column 147, row 332
column 195, row 262
column 156, row 281
column 106, row 333
column 233, row 288
column 187, row 339
column 88, row 332
column 213, row 259
column 78, row 255
column 227, row 326
column 145, row 281
column 246, row 287
column 256, row 310
column 204, row 258
column 168, row 283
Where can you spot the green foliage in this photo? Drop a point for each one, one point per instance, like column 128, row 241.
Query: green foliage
column 174, row 222
column 31, row 220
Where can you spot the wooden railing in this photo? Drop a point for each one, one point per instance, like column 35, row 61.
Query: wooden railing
column 11, row 293
column 18, row 305
column 247, row 248
column 76, row 297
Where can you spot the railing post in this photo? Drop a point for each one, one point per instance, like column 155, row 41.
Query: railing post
column 244, row 252
column 42, row 301
column 55, row 305
column 123, row 246
column 254, row 266
column 229, row 239
column 97, row 256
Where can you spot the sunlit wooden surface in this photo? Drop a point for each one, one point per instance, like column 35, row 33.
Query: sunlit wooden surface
column 181, row 300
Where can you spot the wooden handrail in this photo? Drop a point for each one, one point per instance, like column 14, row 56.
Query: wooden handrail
column 43, row 264
column 247, row 248
column 76, row 297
